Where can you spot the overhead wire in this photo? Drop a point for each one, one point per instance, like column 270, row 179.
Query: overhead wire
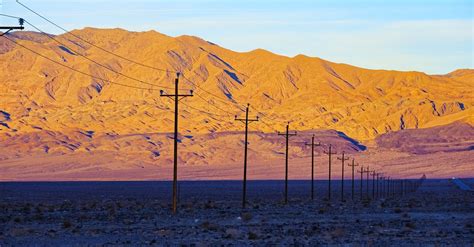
column 11, row 16
column 215, row 106
column 202, row 111
column 76, row 70
column 217, row 97
column 226, row 101
column 92, row 60
column 90, row 43
column 117, row 55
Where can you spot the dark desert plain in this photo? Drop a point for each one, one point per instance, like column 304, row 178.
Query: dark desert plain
column 210, row 214
column 87, row 145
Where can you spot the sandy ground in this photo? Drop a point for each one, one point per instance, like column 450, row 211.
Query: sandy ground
column 138, row 213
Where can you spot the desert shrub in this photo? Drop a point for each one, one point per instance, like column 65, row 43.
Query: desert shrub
column 253, row 236
column 67, row 224
column 410, row 225
column 209, row 226
column 209, row 205
column 246, row 216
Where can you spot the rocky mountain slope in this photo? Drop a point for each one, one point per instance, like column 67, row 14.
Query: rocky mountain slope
column 52, row 112
column 310, row 92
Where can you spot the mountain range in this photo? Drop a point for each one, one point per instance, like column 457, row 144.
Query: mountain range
column 96, row 112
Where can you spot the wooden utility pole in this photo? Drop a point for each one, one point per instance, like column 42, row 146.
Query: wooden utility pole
column 287, row 135
column 362, row 171
column 246, row 121
column 388, row 188
column 379, row 175
column 176, row 97
column 312, row 164
column 373, row 184
column 382, row 187
column 329, row 153
column 342, row 159
column 368, row 171
column 353, row 165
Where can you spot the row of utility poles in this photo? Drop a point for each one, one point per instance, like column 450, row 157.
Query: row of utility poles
column 381, row 186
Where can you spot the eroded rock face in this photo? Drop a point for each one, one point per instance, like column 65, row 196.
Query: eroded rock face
column 45, row 107
column 313, row 93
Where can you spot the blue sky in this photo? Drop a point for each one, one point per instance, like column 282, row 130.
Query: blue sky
column 435, row 37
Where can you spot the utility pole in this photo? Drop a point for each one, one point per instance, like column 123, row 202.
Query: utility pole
column 342, row 159
column 403, row 187
column 312, row 164
column 392, row 187
column 21, row 21
column 176, row 97
column 382, row 187
column 246, row 121
column 373, row 184
column 362, row 171
column 353, row 166
column 388, row 188
column 379, row 175
column 329, row 153
column 368, row 171
column 287, row 135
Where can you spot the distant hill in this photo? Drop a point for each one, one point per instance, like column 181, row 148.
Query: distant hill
column 448, row 138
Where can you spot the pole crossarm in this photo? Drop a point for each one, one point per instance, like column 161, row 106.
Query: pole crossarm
column 12, row 27
column 177, row 95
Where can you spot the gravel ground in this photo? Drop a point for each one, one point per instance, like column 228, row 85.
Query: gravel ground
column 138, row 213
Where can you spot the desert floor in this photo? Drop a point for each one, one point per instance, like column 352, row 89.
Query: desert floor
column 210, row 213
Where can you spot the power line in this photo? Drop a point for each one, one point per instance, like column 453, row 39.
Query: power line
column 112, row 53
column 11, row 16
column 226, row 101
column 202, row 98
column 117, row 55
column 202, row 111
column 76, row 70
column 93, row 61
column 90, row 43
